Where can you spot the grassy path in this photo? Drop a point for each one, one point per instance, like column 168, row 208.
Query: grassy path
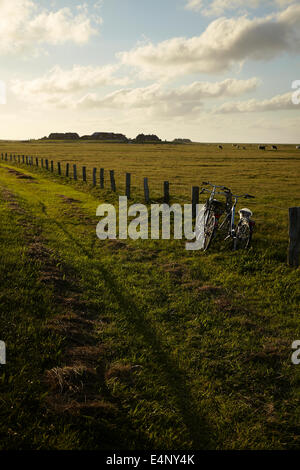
column 137, row 344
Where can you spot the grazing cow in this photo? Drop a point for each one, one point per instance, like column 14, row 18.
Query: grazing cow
column 261, row 147
column 274, row 147
column 220, row 147
column 298, row 147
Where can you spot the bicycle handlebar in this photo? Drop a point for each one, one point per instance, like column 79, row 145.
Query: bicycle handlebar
column 246, row 196
column 203, row 190
column 206, row 183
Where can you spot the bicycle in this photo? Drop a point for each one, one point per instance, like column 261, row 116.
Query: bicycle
column 242, row 233
column 209, row 218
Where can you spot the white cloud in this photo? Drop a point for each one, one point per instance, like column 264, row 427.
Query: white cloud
column 61, row 87
column 277, row 103
column 24, row 27
column 218, row 7
column 57, row 82
column 224, row 43
column 155, row 100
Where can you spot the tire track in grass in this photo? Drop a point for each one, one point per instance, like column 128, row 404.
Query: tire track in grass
column 77, row 386
column 170, row 373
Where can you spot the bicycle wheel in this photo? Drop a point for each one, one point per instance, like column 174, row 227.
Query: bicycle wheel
column 243, row 235
column 209, row 231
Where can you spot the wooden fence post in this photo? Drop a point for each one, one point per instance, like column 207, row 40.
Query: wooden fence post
column 75, row 172
column 128, row 183
column 112, row 180
column 42, row 162
column 47, row 164
column 294, row 232
column 146, row 191
column 6, row 157
column 26, row 160
column 84, row 174
column 166, row 192
column 195, row 200
column 59, row 168
column 101, row 178
column 67, row 169
column 10, row 157
column 19, row 156
column 94, row 176
column 37, row 161
column 52, row 168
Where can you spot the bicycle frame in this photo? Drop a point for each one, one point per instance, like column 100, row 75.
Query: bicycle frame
column 233, row 209
column 232, row 231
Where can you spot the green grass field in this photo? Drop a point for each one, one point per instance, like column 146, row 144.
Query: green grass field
column 144, row 345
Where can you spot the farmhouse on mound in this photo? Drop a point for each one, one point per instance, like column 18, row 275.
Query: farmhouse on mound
column 63, row 136
column 107, row 136
column 142, row 138
column 182, row 141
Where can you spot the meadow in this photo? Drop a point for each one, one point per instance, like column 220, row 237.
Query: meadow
column 142, row 344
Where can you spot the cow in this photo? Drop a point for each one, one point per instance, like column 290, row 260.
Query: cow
column 220, row 147
column 261, row 147
column 298, row 147
column 274, row 147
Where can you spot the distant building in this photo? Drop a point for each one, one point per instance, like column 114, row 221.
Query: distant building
column 108, row 136
column 63, row 136
column 142, row 138
column 182, row 141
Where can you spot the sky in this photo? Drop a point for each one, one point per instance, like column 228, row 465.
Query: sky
column 211, row 71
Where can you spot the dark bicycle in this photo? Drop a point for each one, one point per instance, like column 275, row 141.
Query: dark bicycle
column 213, row 210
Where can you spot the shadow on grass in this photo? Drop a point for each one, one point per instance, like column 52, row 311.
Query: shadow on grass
column 174, row 378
